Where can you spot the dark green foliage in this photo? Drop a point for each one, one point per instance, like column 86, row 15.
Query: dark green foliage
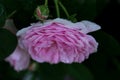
column 104, row 64
column 8, row 42
column 2, row 15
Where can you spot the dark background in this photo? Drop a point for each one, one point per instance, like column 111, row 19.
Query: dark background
column 109, row 18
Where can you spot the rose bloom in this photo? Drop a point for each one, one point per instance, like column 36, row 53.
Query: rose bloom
column 58, row 40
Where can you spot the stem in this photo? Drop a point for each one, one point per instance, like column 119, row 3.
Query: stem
column 64, row 9
column 12, row 14
column 46, row 2
column 57, row 8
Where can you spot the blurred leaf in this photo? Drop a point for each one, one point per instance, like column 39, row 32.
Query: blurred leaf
column 7, row 72
column 100, row 63
column 97, row 63
column 52, row 71
column 2, row 16
column 31, row 76
column 79, row 72
column 60, row 71
column 10, row 5
column 107, row 44
column 8, row 43
column 116, row 63
column 102, row 67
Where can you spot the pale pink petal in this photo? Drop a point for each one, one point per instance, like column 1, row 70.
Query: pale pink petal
column 90, row 26
column 19, row 59
column 22, row 31
column 81, row 27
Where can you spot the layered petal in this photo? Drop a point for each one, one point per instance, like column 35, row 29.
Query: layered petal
column 59, row 40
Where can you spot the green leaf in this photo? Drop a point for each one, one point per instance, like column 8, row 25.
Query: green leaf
column 8, row 43
column 2, row 16
column 79, row 72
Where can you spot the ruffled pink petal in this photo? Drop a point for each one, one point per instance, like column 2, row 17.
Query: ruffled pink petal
column 59, row 40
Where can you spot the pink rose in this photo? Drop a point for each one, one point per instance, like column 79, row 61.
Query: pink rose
column 19, row 59
column 59, row 40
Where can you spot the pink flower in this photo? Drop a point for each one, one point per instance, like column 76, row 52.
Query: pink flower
column 59, row 40
column 19, row 59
